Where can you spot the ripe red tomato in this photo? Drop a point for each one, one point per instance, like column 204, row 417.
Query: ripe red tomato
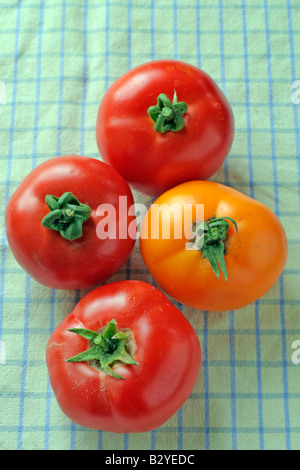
column 226, row 263
column 139, row 359
column 190, row 138
column 66, row 251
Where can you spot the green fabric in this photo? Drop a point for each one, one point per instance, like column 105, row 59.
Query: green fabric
column 57, row 58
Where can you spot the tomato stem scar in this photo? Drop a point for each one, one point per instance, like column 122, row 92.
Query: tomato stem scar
column 107, row 347
column 66, row 215
column 167, row 116
column 211, row 239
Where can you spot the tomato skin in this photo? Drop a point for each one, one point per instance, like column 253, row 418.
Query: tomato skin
column 256, row 256
column 167, row 350
column 153, row 162
column 44, row 254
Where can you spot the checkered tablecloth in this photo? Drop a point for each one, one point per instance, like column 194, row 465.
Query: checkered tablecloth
column 57, row 58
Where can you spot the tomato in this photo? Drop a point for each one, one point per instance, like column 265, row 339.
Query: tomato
column 65, row 194
column 124, row 360
column 163, row 123
column 223, row 259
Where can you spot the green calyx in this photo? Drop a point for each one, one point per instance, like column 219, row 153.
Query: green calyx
column 167, row 116
column 211, row 239
column 107, row 348
column 66, row 215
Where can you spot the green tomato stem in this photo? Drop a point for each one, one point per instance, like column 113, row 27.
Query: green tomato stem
column 66, row 215
column 167, row 116
column 211, row 241
column 107, row 348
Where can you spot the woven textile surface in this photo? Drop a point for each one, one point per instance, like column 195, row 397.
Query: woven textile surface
column 57, row 59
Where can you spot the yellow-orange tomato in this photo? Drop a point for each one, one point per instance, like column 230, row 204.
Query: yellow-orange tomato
column 254, row 249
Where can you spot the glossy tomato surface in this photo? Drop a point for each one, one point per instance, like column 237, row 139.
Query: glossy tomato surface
column 256, row 250
column 43, row 253
column 151, row 161
column 165, row 347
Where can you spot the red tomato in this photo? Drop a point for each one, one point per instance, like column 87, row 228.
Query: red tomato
column 234, row 258
column 71, row 255
column 192, row 135
column 154, row 359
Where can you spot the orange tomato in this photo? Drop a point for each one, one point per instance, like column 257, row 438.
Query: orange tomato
column 244, row 232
